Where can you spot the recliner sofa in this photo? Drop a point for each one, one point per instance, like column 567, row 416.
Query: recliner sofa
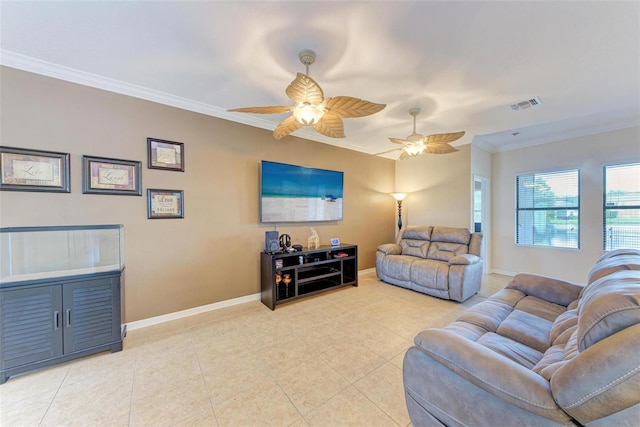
column 443, row 262
column 541, row 352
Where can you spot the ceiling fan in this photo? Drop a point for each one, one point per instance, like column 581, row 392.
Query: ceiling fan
column 416, row 144
column 312, row 109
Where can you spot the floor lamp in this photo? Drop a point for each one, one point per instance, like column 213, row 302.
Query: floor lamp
column 399, row 198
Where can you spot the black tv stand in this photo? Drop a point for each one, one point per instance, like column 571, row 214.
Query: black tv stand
column 311, row 271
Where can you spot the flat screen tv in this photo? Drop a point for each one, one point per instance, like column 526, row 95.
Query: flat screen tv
column 290, row 193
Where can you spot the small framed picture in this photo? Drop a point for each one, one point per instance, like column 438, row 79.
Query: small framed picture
column 101, row 175
column 167, row 155
column 33, row 170
column 335, row 241
column 165, row 203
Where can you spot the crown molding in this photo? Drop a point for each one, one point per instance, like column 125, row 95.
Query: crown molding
column 49, row 69
column 484, row 141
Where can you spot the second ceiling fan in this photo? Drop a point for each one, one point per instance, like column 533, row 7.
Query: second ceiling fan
column 416, row 144
column 312, row 109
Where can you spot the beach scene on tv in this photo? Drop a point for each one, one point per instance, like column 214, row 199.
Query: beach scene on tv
column 292, row 193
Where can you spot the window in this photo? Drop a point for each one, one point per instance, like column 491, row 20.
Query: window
column 548, row 209
column 621, row 213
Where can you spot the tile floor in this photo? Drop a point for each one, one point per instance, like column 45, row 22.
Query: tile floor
column 333, row 359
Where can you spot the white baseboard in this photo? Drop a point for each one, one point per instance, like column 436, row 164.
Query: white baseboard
column 503, row 272
column 202, row 309
column 191, row 312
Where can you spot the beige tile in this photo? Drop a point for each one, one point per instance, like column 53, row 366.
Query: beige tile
column 227, row 377
column 283, row 355
column 25, row 385
column 311, row 383
column 266, row 405
column 349, row 408
column 385, row 389
column 332, row 359
column 183, row 399
column 101, row 364
column 205, row 418
column 27, row 411
column 352, row 361
column 94, row 399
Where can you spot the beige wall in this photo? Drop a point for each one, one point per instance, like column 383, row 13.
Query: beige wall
column 212, row 254
column 588, row 154
column 439, row 188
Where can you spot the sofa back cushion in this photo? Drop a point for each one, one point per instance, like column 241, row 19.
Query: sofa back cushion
column 451, row 235
column 614, row 261
column 415, row 241
column 608, row 305
column 447, row 242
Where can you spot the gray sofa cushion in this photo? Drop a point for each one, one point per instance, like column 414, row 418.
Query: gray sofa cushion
column 436, row 273
column 444, row 251
column 415, row 241
column 451, row 234
column 417, row 232
column 417, row 248
column 607, row 306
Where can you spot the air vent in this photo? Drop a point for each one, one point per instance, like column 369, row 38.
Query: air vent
column 533, row 102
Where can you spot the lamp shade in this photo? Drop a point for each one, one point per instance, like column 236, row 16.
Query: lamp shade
column 399, row 196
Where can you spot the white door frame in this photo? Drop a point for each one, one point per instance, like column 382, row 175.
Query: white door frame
column 485, row 214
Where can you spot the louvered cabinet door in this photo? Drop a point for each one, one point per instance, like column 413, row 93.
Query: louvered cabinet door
column 31, row 327
column 91, row 315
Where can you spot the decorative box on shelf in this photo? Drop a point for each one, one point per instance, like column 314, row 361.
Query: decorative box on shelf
column 60, row 294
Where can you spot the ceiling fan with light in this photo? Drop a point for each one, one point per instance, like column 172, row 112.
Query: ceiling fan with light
column 416, row 144
column 312, row 109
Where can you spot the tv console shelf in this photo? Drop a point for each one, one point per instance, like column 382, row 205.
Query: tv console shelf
column 310, row 271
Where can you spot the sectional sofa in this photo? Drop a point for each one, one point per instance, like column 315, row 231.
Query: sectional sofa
column 541, row 352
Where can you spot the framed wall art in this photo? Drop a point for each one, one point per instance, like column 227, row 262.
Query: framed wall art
column 165, row 203
column 167, row 155
column 102, row 175
column 33, row 170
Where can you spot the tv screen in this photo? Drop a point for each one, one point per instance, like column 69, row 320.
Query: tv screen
column 290, row 193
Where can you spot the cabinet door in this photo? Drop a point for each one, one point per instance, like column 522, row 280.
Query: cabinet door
column 31, row 328
column 91, row 313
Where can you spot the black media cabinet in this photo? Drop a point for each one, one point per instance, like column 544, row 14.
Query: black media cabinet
column 310, row 270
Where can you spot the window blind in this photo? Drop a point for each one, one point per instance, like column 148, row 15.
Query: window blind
column 548, row 209
column 621, row 211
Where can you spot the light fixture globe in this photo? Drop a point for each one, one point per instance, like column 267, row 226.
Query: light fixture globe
column 308, row 114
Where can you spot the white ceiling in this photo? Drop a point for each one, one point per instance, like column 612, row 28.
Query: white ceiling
column 463, row 63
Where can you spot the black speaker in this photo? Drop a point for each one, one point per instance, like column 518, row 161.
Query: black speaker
column 271, row 243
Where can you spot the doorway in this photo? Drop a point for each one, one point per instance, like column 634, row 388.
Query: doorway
column 481, row 224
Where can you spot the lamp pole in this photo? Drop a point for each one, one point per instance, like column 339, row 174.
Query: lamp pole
column 399, row 198
column 399, row 215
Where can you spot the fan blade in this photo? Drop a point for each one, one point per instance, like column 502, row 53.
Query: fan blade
column 404, row 156
column 440, row 149
column 263, row 110
column 305, row 89
column 288, row 125
column 442, row 138
column 346, row 106
column 400, row 141
column 385, row 152
column 330, row 125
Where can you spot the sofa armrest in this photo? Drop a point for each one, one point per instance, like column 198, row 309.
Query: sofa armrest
column 547, row 288
column 489, row 371
column 390, row 249
column 464, row 259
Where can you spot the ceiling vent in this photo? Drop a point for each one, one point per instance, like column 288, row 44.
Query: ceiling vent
column 533, row 102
